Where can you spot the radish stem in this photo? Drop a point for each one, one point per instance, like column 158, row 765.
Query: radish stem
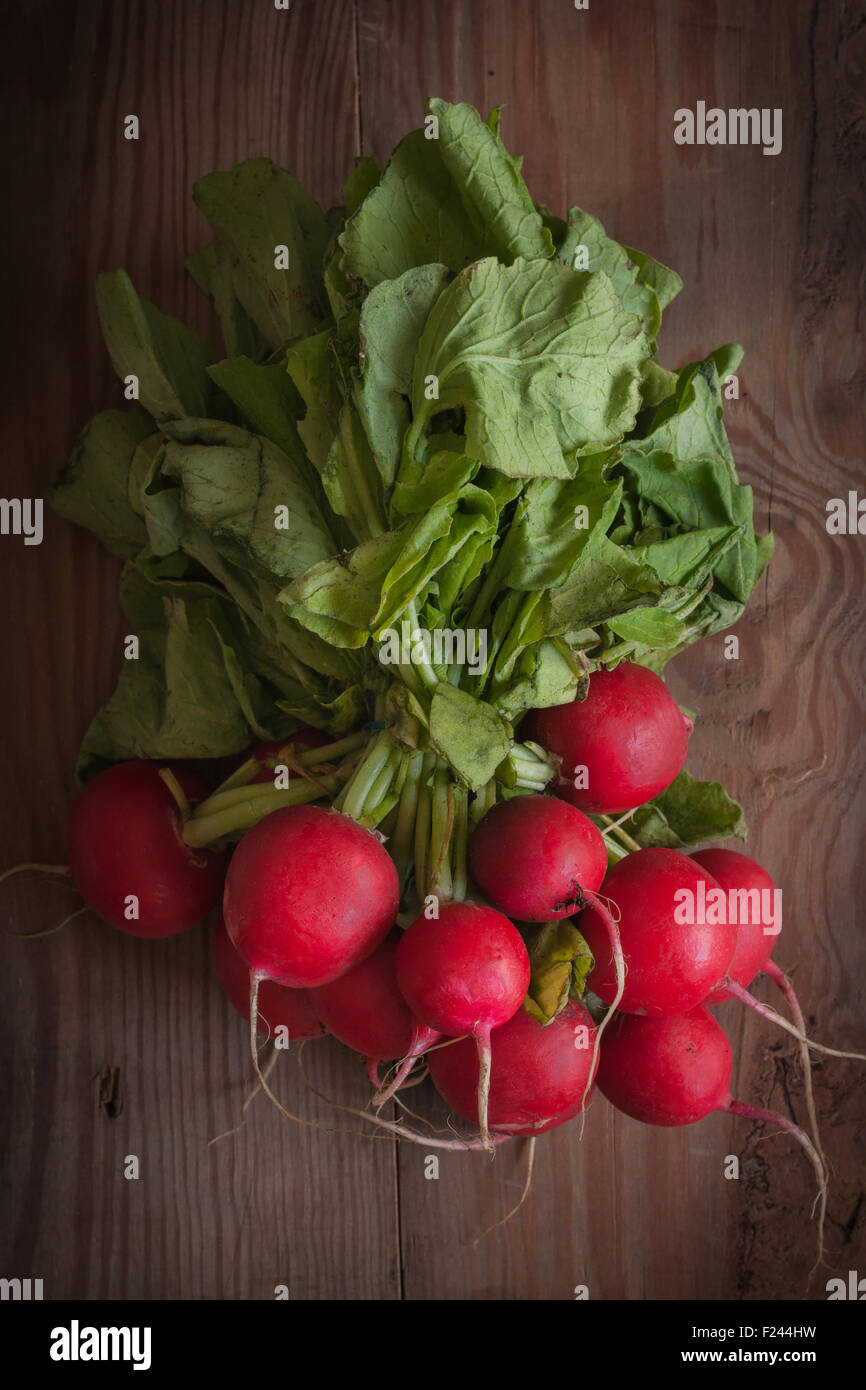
column 766, row 1011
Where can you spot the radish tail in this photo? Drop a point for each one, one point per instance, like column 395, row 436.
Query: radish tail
column 397, row 1130
column 422, row 1040
column 373, row 1073
column 778, row 976
column 599, row 905
column 63, row 871
column 767, row 1012
column 771, row 1117
column 49, row 931
column 530, row 1164
column 485, row 1059
column 266, row 1071
column 783, row 981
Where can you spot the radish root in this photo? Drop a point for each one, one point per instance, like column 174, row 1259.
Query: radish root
column 523, row 1196
column 771, row 1117
column 484, row 1065
column 766, row 1011
column 603, row 907
column 266, row 1071
column 61, row 871
column 398, row 1131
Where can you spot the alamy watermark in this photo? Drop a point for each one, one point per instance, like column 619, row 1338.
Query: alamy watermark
column 441, row 646
column 714, row 907
column 736, row 126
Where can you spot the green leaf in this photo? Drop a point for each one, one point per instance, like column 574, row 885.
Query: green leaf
column 267, row 398
column 450, row 200
column 312, row 366
column 256, row 208
column 556, row 520
column 652, row 627
column 666, row 283
column 212, row 268
column 93, row 488
column 176, row 700
column 586, row 235
column 361, row 181
column 688, row 557
column 468, row 734
column 658, row 384
column 235, row 485
column 687, row 813
column 496, row 199
column 350, row 479
column 559, row 961
column 541, row 676
column 543, row 360
column 169, row 359
column 603, row 585
column 446, row 472
column 727, row 359
column 392, row 319
column 700, row 494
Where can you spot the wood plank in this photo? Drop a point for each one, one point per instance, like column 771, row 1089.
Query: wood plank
column 212, row 84
column 769, row 259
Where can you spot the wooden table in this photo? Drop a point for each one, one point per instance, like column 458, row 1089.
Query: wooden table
column 771, row 252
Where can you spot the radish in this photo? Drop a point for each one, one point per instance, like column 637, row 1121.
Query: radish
column 279, row 1007
column 756, row 936
column 675, row 1071
column 539, row 1076
column 365, row 1010
column 127, row 856
column 736, row 872
column 672, row 964
column 620, row 746
column 270, row 754
column 537, row 859
column 466, row 971
column 309, row 893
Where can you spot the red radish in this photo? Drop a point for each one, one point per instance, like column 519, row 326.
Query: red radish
column 309, row 893
column 536, row 858
column 736, row 873
column 628, row 734
column 365, row 1010
column 676, row 1071
column 466, row 971
column 672, row 963
column 750, row 898
column 270, row 754
column 126, row 853
column 279, row 1007
column 539, row 1076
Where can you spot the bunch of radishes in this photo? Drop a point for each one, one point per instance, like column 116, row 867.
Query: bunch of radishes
column 309, row 942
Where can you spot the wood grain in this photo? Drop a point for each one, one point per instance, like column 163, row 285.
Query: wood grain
column 770, row 249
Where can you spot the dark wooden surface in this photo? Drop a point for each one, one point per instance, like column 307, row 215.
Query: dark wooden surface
column 771, row 252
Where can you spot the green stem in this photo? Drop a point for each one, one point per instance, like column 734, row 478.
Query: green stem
column 366, row 774
column 328, row 753
column 203, row 830
column 401, row 845
column 179, row 795
column 383, row 782
column 441, row 827
column 422, row 830
column 484, row 799
column 616, row 829
column 359, row 477
column 459, row 841
column 241, row 777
